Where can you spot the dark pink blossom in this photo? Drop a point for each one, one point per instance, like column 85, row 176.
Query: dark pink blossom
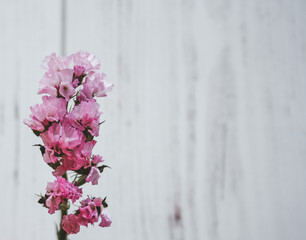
column 89, row 212
column 79, row 70
column 76, row 159
column 49, row 156
column 97, row 159
column 71, row 224
column 62, row 138
column 105, row 220
column 61, row 190
column 72, row 162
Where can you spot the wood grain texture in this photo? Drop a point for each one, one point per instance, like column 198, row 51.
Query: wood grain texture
column 29, row 31
column 205, row 129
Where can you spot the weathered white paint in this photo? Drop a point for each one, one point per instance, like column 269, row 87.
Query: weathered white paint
column 29, row 31
column 205, row 129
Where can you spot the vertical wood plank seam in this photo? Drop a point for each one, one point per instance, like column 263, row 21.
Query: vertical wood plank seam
column 63, row 27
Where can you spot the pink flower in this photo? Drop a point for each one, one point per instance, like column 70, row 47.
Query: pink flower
column 97, row 159
column 78, row 158
column 75, row 161
column 66, row 88
column 86, row 60
column 68, row 136
column 62, row 138
column 79, row 70
column 89, row 212
column 49, row 84
column 58, row 84
column 71, row 224
column 86, row 116
column 106, row 221
column 86, row 148
column 52, row 203
column 53, row 63
column 93, row 176
column 51, row 137
column 49, row 156
column 59, row 191
column 51, row 110
column 95, row 86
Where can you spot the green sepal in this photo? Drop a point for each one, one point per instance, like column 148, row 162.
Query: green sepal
column 37, row 133
column 81, row 180
column 41, row 148
column 54, row 165
column 102, row 168
column 88, row 136
column 104, row 203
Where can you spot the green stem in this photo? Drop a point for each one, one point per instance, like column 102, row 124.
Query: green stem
column 62, row 235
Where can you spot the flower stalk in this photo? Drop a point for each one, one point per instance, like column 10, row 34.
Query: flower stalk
column 67, row 121
column 62, row 234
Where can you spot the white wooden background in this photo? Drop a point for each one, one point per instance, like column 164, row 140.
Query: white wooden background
column 205, row 129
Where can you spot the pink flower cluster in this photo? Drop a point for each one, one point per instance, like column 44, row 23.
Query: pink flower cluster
column 59, row 191
column 67, row 121
column 89, row 212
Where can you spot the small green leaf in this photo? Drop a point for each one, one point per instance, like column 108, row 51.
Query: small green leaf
column 41, row 148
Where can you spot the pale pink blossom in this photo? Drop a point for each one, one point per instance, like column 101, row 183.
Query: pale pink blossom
column 95, row 86
column 51, row 137
column 93, row 175
column 66, row 88
column 49, row 84
column 53, row 63
column 51, row 110
column 71, row 224
column 86, row 148
column 85, row 116
column 86, row 60
column 58, row 84
column 71, row 137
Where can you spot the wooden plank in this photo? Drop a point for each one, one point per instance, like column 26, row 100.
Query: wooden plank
column 205, row 129
column 29, row 32
column 206, row 125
